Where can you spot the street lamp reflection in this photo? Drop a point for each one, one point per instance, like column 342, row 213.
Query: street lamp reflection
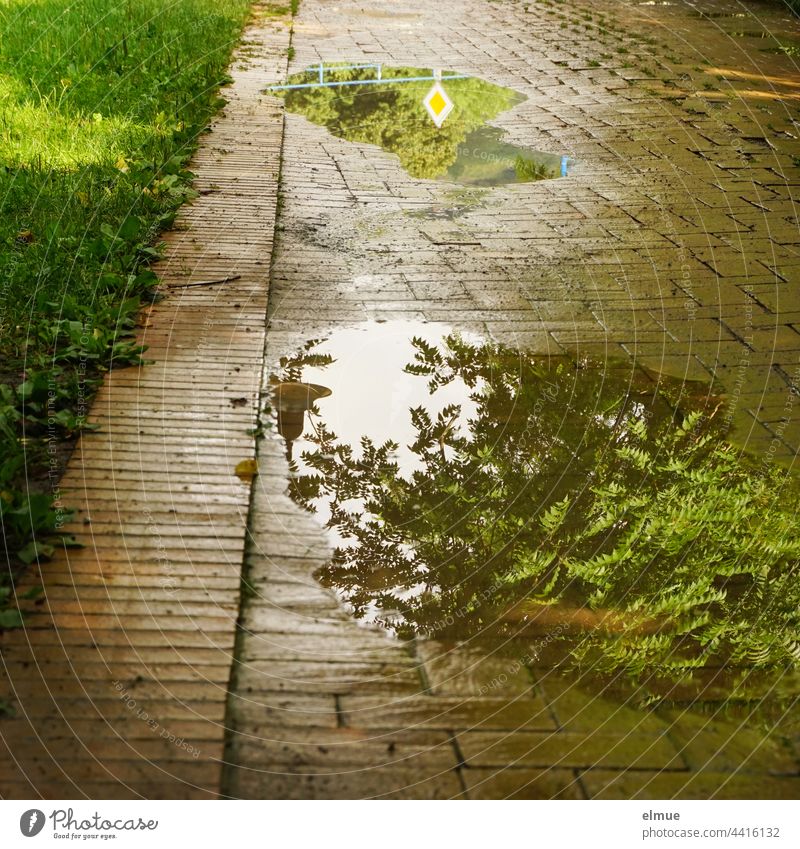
column 292, row 400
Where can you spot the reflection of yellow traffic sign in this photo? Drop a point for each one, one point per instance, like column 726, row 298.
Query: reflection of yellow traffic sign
column 438, row 104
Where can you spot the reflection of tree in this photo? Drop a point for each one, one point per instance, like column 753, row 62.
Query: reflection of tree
column 393, row 116
column 528, row 170
column 579, row 490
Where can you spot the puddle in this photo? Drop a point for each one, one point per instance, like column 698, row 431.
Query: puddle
column 591, row 510
column 391, row 115
column 789, row 49
column 750, row 34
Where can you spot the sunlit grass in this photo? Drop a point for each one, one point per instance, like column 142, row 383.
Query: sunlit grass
column 36, row 135
column 39, row 129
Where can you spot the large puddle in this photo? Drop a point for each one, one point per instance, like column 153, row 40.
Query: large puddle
column 392, row 115
column 591, row 510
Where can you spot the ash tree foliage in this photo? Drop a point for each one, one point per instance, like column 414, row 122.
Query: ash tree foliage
column 576, row 490
column 393, row 116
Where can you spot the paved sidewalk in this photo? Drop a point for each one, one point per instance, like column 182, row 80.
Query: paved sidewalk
column 119, row 678
column 674, row 242
column 673, row 245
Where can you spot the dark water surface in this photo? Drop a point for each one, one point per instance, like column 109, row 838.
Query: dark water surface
column 593, row 513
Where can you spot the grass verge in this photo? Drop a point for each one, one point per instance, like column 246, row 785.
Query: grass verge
column 101, row 103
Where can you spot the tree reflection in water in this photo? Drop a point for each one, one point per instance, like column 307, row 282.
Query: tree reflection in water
column 392, row 115
column 578, row 500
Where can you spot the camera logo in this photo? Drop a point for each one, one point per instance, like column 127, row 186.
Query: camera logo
column 31, row 822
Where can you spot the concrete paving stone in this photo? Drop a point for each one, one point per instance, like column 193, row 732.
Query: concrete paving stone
column 340, row 648
column 779, row 340
column 329, row 751
column 70, row 770
column 274, row 620
column 110, row 706
column 580, row 710
column 458, row 672
column 368, row 783
column 516, row 783
column 166, row 674
column 325, row 677
column 444, row 712
column 708, row 744
column 93, row 790
column 519, row 263
column 280, row 710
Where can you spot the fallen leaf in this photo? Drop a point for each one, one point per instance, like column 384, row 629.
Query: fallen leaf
column 25, row 236
column 246, row 470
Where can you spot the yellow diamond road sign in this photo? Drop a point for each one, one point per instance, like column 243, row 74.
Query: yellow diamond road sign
column 438, row 104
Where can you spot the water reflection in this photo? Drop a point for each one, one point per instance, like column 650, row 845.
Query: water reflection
column 475, row 491
column 393, row 117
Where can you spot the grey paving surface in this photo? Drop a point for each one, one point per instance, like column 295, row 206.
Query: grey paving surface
column 674, row 244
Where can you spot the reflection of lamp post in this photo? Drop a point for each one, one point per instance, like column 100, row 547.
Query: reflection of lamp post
column 291, row 400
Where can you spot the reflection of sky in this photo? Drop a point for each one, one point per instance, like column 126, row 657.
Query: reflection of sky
column 372, row 395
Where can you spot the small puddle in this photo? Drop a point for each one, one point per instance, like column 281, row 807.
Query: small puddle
column 392, row 116
column 477, row 493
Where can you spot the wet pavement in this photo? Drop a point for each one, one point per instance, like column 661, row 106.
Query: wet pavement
column 481, row 494
column 439, row 653
column 669, row 249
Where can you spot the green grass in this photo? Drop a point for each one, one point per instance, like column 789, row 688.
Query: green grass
column 101, row 103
